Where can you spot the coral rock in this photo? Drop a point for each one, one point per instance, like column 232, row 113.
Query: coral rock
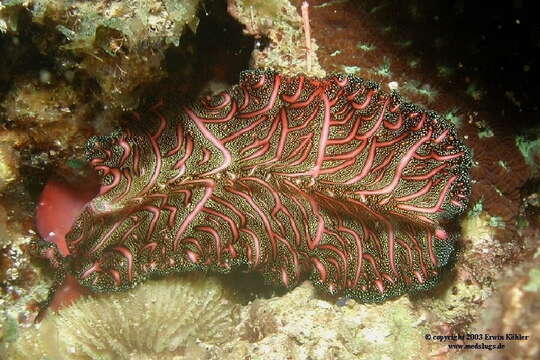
column 172, row 319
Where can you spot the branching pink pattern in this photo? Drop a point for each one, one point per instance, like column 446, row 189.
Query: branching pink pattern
column 289, row 176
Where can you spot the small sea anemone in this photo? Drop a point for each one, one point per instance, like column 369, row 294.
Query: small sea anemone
column 174, row 318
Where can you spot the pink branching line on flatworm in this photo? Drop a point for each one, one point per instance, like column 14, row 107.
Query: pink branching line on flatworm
column 290, row 176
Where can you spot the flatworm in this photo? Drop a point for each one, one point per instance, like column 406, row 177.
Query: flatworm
column 330, row 178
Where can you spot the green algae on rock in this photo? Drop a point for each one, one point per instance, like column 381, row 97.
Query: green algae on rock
column 119, row 44
column 140, row 23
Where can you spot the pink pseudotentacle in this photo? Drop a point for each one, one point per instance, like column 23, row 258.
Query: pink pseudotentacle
column 60, row 203
column 66, row 294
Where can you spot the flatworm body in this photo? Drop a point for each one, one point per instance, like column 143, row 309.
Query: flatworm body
column 289, row 176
